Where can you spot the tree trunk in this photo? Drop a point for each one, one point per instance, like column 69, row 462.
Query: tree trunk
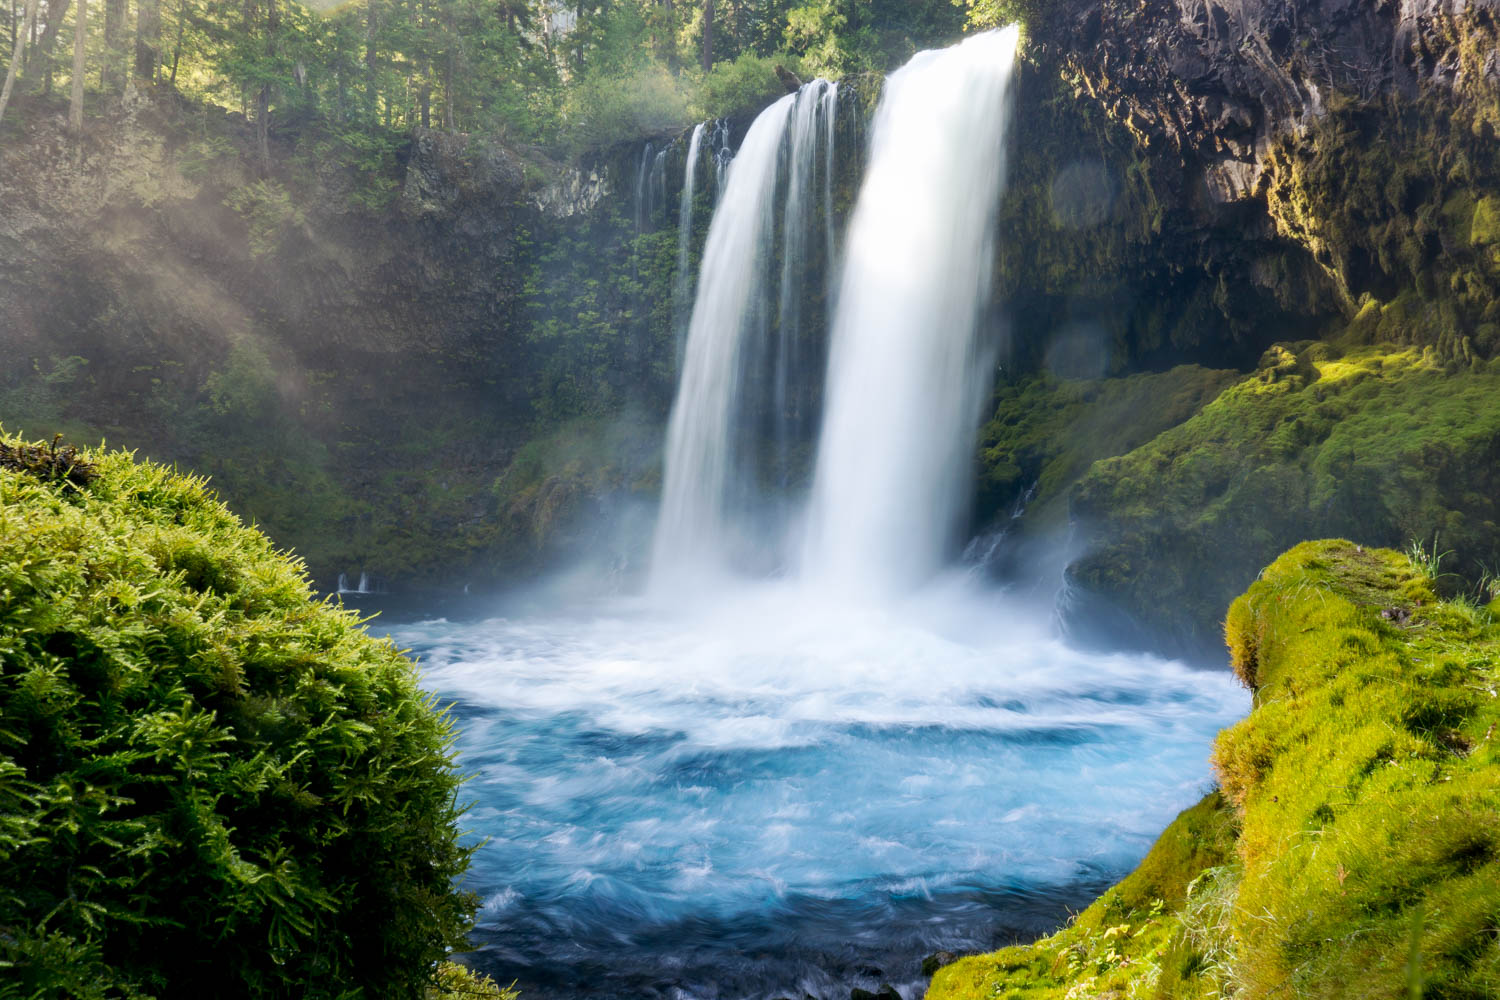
column 177, row 45
column 708, row 36
column 112, row 77
column 673, row 63
column 44, row 44
column 147, row 39
column 15, row 59
column 263, row 103
column 371, row 25
column 80, row 40
column 450, row 58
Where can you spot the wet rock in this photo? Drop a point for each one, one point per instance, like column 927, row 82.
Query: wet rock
column 936, row 961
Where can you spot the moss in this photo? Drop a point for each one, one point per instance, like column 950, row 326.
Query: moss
column 456, row 982
column 209, row 783
column 1381, row 444
column 1357, row 827
column 1044, row 432
column 1116, row 947
column 545, row 492
column 1396, row 198
column 1484, row 227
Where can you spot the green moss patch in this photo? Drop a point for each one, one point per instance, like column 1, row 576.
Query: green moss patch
column 210, row 785
column 1046, row 432
column 1355, row 848
column 1380, row 444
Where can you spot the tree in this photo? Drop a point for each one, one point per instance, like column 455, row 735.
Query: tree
column 27, row 24
column 147, row 39
column 80, row 39
column 708, row 35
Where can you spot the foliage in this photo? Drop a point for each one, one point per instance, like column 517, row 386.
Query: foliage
column 749, row 80
column 551, row 476
column 211, row 785
column 57, row 463
column 456, row 982
column 603, row 109
column 839, row 37
column 1380, row 443
column 1354, row 849
column 268, row 211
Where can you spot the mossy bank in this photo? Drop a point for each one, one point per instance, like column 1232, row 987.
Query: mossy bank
column 1353, row 848
column 211, row 784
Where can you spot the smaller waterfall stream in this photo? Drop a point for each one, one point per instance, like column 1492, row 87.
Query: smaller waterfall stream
column 693, row 526
column 717, row 469
column 682, row 282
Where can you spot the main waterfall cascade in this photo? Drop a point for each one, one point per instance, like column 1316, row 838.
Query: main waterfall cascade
column 908, row 372
column 907, row 367
column 768, row 779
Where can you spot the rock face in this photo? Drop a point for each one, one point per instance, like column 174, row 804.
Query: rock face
column 1217, row 83
column 1201, row 181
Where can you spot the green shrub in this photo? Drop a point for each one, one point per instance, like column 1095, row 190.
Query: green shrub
column 747, row 81
column 605, row 108
column 209, row 784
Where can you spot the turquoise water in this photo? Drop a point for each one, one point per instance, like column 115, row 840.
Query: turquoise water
column 773, row 794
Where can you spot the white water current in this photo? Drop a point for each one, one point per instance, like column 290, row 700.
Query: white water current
column 907, row 368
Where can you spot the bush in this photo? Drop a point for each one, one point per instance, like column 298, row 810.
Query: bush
column 747, row 81
column 209, row 784
column 605, row 108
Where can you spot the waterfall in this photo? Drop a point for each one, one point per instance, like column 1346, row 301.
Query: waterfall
column 723, row 155
column 693, row 527
column 650, row 185
column 642, row 189
column 740, row 401
column 682, row 282
column 907, row 369
column 796, row 229
column 830, row 125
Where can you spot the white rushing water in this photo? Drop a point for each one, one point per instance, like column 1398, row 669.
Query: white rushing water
column 682, row 282
column 693, row 529
column 797, row 220
column 907, row 371
column 739, row 384
column 769, row 790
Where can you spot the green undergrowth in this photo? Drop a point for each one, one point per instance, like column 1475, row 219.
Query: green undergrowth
column 1382, row 444
column 1354, row 850
column 210, row 784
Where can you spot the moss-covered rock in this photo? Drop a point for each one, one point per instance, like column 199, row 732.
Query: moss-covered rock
column 1044, row 432
column 1384, row 445
column 210, row 784
column 1355, row 848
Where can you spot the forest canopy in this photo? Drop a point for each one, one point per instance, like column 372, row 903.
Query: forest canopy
column 553, row 73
